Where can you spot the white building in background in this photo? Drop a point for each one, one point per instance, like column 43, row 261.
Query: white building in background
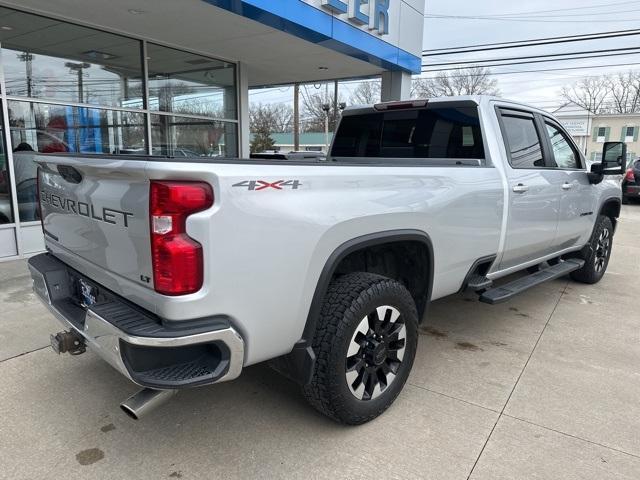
column 577, row 122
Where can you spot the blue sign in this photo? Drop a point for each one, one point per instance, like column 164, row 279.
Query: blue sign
column 299, row 18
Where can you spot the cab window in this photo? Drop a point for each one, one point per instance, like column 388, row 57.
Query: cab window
column 565, row 155
column 522, row 141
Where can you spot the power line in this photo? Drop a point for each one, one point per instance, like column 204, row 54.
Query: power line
column 507, row 59
column 530, row 20
column 515, row 16
column 566, row 15
column 566, row 9
column 483, row 47
column 541, row 70
column 580, row 57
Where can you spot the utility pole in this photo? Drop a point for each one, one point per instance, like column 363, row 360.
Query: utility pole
column 79, row 68
column 335, row 104
column 296, row 117
column 327, row 110
column 586, row 142
column 28, row 59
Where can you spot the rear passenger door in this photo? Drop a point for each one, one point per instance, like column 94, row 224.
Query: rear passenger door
column 569, row 175
column 534, row 199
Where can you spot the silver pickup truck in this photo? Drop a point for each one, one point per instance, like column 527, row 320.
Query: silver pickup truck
column 181, row 272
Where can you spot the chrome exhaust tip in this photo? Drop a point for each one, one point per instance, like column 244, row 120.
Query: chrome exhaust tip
column 145, row 401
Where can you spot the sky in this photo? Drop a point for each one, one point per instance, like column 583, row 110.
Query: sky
column 506, row 20
column 446, row 25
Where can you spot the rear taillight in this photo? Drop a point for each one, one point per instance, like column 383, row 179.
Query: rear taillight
column 630, row 176
column 178, row 264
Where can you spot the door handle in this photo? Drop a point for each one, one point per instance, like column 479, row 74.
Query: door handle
column 567, row 186
column 520, row 188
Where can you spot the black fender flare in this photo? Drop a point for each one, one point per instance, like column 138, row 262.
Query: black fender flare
column 615, row 214
column 299, row 364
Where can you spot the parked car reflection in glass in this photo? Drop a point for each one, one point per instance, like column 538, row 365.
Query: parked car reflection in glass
column 26, row 169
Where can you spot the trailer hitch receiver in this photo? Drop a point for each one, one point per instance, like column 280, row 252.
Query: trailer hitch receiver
column 68, row 342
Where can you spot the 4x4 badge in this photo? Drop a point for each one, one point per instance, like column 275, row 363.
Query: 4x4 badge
column 257, row 185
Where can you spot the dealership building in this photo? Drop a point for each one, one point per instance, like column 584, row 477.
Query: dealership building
column 171, row 77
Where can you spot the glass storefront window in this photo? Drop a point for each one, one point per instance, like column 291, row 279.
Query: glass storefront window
column 192, row 137
column 6, row 208
column 75, row 89
column 45, row 58
column 44, row 128
column 49, row 128
column 185, row 83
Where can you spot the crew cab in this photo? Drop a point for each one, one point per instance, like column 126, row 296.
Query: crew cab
column 180, row 272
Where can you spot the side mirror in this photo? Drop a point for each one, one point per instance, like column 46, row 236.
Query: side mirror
column 614, row 158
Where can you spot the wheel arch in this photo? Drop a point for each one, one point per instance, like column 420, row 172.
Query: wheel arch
column 378, row 239
column 611, row 207
column 299, row 364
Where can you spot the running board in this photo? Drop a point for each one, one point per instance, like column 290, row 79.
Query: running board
column 478, row 282
column 510, row 290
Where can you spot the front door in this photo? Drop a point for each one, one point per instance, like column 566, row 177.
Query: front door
column 577, row 206
column 534, row 200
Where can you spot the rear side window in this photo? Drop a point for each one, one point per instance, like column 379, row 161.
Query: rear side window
column 434, row 132
column 523, row 142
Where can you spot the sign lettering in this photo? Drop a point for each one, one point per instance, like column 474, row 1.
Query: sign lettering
column 374, row 13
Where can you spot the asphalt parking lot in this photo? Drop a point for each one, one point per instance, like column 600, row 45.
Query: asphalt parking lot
column 546, row 386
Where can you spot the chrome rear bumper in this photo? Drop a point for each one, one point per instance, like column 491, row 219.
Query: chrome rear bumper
column 221, row 350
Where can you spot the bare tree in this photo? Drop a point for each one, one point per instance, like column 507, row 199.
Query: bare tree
column 469, row 81
column 273, row 118
column 614, row 93
column 368, row 92
column 619, row 91
column 624, row 92
column 589, row 93
column 634, row 96
column 313, row 110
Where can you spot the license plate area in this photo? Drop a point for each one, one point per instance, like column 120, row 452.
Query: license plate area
column 88, row 293
column 85, row 292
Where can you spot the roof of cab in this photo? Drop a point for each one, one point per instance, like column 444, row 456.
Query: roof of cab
column 475, row 99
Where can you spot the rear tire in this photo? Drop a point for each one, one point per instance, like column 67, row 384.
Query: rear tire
column 597, row 259
column 365, row 343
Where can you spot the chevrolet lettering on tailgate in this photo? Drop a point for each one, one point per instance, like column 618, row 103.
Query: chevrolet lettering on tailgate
column 104, row 214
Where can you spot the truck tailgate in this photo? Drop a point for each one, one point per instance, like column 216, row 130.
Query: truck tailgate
column 98, row 211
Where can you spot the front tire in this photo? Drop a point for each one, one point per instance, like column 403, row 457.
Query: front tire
column 365, row 343
column 597, row 260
